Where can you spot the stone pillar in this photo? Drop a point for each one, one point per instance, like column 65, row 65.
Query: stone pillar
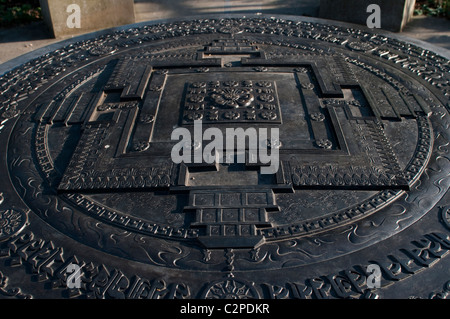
column 447, row 6
column 73, row 17
column 394, row 13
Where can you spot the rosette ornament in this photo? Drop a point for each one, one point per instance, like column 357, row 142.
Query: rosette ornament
column 233, row 97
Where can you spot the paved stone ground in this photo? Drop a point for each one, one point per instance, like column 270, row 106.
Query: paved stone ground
column 429, row 29
column 20, row 40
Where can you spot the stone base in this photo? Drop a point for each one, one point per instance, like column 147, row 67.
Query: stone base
column 94, row 15
column 394, row 14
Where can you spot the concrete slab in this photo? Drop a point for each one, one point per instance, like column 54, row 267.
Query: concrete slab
column 74, row 17
column 394, row 15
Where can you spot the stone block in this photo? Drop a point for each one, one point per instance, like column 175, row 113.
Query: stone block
column 394, row 14
column 73, row 17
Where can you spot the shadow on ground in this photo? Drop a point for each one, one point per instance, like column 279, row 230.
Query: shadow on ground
column 30, row 32
column 157, row 9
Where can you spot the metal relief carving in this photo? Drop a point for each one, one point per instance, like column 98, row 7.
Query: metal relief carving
column 231, row 102
column 363, row 154
column 11, row 223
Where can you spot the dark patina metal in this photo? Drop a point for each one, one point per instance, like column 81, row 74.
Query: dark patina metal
column 87, row 176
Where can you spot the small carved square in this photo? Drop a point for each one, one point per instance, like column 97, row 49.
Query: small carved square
column 246, row 230
column 251, row 215
column 209, row 215
column 204, row 200
column 230, row 215
column 215, row 230
column 256, row 198
column 230, row 230
column 230, row 199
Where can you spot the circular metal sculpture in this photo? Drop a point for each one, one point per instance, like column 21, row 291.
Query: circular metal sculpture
column 363, row 149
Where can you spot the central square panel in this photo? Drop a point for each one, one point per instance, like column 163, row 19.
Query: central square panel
column 235, row 98
column 231, row 101
column 322, row 140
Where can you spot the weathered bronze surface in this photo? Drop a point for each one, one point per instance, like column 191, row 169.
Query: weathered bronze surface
column 87, row 176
